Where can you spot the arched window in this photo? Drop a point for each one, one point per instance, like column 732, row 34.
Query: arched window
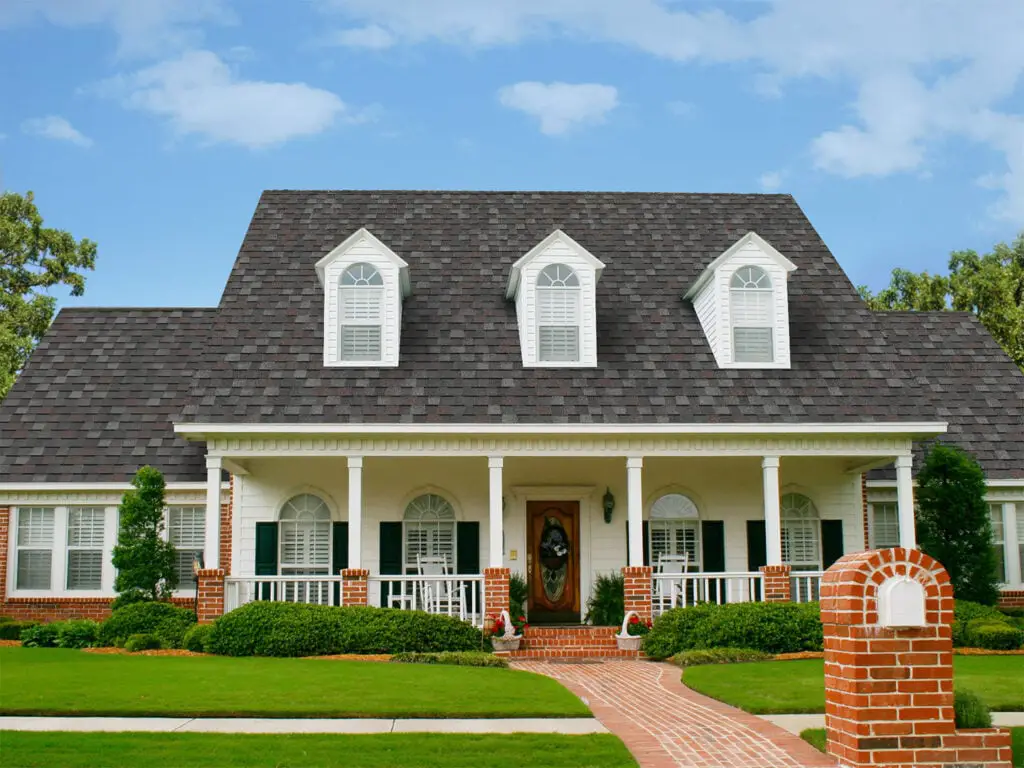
column 429, row 527
column 361, row 313
column 801, row 533
column 558, row 314
column 675, row 530
column 753, row 316
column 305, row 532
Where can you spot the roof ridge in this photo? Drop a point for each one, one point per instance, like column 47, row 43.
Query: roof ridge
column 138, row 309
column 531, row 192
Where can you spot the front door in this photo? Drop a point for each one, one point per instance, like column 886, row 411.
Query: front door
column 553, row 561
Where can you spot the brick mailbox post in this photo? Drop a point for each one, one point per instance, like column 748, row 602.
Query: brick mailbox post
column 887, row 618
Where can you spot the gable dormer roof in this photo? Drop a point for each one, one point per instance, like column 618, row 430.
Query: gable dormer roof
column 751, row 238
column 363, row 235
column 558, row 236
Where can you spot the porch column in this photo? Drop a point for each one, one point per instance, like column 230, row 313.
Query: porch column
column 355, row 512
column 772, row 512
column 634, row 509
column 494, row 468
column 211, row 554
column 905, row 501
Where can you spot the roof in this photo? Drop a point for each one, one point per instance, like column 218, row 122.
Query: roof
column 961, row 375
column 98, row 397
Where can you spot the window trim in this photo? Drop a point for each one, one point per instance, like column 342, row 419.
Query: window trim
column 171, row 508
column 69, row 547
column 768, row 325
column 375, row 283
column 303, row 569
column 549, row 290
column 873, row 525
column 53, row 549
column 797, row 567
column 409, row 524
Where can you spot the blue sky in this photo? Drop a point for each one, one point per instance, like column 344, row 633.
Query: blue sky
column 151, row 126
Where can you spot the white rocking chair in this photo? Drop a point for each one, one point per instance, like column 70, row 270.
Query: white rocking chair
column 440, row 595
column 671, row 592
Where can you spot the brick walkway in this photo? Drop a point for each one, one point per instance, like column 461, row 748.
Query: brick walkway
column 664, row 723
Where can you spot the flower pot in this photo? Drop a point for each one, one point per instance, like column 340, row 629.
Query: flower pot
column 629, row 642
column 506, row 644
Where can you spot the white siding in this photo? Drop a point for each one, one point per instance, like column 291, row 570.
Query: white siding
column 706, row 305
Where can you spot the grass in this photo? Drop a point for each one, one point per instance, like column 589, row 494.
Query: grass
column 816, row 738
column 389, row 750
column 51, row 681
column 779, row 687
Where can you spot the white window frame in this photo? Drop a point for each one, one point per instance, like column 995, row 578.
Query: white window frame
column 25, row 516
column 187, row 585
column 677, row 515
column 752, row 276
column 428, row 514
column 995, row 515
column 85, row 547
column 308, row 520
column 562, row 281
column 887, row 508
column 803, row 514
column 361, row 284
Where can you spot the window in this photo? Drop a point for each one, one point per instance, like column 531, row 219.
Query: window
column 429, row 527
column 186, row 530
column 801, row 531
column 361, row 298
column 675, row 530
column 85, row 547
column 885, row 526
column 1020, row 532
column 35, row 547
column 995, row 512
column 558, row 315
column 751, row 307
column 305, row 536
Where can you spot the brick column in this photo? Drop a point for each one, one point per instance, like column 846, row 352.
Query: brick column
column 354, row 586
column 887, row 618
column 5, row 523
column 211, row 594
column 777, row 585
column 637, row 583
column 496, row 597
column 226, row 512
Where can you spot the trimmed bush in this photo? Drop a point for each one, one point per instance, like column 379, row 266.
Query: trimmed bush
column 456, row 658
column 964, row 612
column 142, row 641
column 11, row 630
column 969, row 711
column 131, row 597
column 768, row 627
column 5, row 619
column 296, row 629
column 1017, row 613
column 607, row 604
column 993, row 635
column 41, row 635
column 168, row 622
column 704, row 656
column 77, row 633
column 196, row 637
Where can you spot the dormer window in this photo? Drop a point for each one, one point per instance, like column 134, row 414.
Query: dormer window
column 361, row 297
column 752, row 314
column 558, row 314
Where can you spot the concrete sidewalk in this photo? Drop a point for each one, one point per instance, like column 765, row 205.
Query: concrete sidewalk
column 572, row 726
column 797, row 723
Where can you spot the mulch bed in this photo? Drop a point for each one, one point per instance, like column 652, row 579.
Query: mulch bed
column 9, row 643
column 799, row 655
column 155, row 652
column 986, row 652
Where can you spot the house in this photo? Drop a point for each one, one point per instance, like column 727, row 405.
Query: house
column 403, row 397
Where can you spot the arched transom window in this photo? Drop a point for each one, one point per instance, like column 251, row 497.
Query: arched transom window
column 429, row 528
column 361, row 313
column 305, row 531
column 752, row 315
column 558, row 314
column 801, row 533
column 674, row 532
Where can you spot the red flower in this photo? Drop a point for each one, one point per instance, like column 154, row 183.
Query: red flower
column 634, row 619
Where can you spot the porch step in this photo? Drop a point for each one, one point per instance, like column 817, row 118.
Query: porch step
column 575, row 642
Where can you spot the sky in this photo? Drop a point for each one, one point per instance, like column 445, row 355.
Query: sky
column 152, row 126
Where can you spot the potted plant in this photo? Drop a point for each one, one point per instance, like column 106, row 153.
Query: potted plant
column 507, row 633
column 633, row 630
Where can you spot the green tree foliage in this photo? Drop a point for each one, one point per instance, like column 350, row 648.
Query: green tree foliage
column 953, row 523
column 991, row 286
column 33, row 259
column 144, row 561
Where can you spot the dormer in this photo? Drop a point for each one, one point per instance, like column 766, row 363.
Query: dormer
column 364, row 284
column 554, row 287
column 742, row 302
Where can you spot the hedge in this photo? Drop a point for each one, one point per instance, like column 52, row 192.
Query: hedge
column 168, row 622
column 455, row 658
column 297, row 629
column 77, row 633
column 195, row 638
column 969, row 711
column 993, row 635
column 142, row 641
column 40, row 636
column 11, row 630
column 965, row 612
column 702, row 656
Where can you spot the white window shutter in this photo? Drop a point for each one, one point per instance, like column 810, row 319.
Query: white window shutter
column 558, row 324
column 34, row 548
column 362, row 319
column 85, row 548
column 752, row 314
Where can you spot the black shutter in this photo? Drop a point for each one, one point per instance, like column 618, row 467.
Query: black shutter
column 390, row 556
column 757, row 551
column 831, row 541
column 266, row 554
column 339, row 555
column 467, row 557
column 712, row 535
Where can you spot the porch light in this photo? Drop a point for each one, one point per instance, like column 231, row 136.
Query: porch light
column 609, row 505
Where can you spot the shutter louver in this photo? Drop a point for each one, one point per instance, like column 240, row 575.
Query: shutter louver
column 35, row 548
column 558, row 334
column 85, row 548
column 753, row 345
column 362, row 317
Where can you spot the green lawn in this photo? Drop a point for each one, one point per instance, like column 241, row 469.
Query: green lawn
column 389, row 750
column 816, row 738
column 778, row 687
column 45, row 681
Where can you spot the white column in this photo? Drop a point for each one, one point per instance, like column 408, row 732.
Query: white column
column 355, row 512
column 495, row 465
column 905, row 501
column 635, row 509
column 211, row 554
column 772, row 512
column 1011, row 546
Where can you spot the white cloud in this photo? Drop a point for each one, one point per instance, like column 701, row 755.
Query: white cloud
column 200, row 95
column 56, row 128
column 372, row 38
column 560, row 107
column 770, row 181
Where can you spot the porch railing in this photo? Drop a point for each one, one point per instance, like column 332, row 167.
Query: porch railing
column 805, row 586
column 681, row 590
column 316, row 590
column 461, row 596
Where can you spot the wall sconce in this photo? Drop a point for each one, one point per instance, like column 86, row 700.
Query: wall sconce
column 608, row 501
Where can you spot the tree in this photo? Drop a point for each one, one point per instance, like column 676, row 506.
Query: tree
column 990, row 286
column 953, row 523
column 33, row 259
column 144, row 561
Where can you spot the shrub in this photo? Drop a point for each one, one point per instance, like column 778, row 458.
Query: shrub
column 518, row 595
column 11, row 630
column 5, row 619
column 144, row 559
column 168, row 622
column 77, row 633
column 130, row 597
column 969, row 711
column 142, row 641
column 768, row 627
column 964, row 612
column 993, row 635
column 296, row 629
column 456, row 658
column 196, row 637
column 703, row 656
column 1017, row 613
column 41, row 635
column 607, row 604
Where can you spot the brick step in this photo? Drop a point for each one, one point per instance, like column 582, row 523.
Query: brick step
column 577, row 654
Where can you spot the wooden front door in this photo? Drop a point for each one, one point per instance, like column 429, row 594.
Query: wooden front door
column 553, row 560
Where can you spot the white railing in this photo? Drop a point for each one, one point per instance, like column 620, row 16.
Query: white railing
column 805, row 586
column 461, row 595
column 681, row 590
column 316, row 590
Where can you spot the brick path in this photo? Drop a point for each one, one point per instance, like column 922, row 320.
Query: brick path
column 664, row 723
